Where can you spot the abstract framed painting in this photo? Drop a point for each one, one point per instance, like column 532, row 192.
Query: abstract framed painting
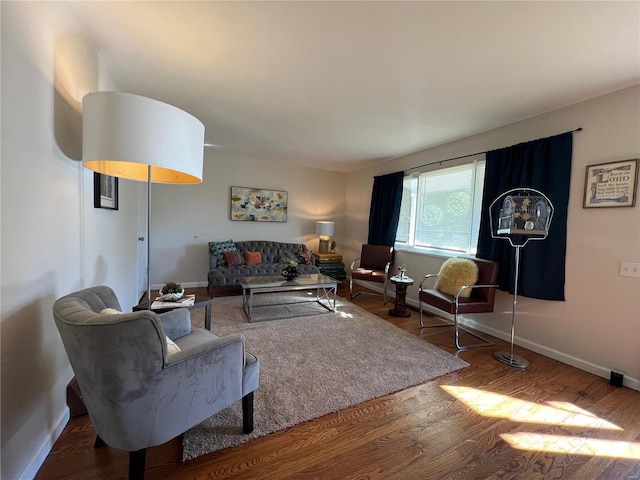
column 258, row 205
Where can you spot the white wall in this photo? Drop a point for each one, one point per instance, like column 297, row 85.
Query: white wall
column 597, row 328
column 53, row 241
column 185, row 218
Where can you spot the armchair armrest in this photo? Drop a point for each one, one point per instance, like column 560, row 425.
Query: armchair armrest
column 462, row 288
column 176, row 323
column 205, row 343
column 386, row 270
column 428, row 275
column 353, row 264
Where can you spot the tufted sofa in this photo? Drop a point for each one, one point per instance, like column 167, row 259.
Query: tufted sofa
column 225, row 280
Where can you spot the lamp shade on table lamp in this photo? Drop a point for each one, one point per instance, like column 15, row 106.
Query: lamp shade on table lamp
column 325, row 231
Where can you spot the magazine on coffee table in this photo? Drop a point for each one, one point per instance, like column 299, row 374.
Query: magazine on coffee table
column 186, row 301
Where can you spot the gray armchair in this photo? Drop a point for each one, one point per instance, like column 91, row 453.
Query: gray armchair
column 138, row 395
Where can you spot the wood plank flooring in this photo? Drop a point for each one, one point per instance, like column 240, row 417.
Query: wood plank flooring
column 562, row 423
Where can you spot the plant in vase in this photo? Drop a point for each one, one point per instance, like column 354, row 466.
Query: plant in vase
column 171, row 292
column 333, row 246
column 290, row 269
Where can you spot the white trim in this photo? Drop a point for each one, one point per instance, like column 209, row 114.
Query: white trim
column 576, row 362
column 38, row 458
column 185, row 285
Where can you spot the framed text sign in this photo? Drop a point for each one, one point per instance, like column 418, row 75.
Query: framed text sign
column 258, row 205
column 611, row 184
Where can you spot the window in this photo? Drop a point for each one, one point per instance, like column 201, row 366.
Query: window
column 441, row 209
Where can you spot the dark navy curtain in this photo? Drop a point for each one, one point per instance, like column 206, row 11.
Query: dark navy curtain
column 544, row 165
column 384, row 213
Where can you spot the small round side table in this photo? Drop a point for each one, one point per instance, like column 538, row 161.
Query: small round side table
column 401, row 283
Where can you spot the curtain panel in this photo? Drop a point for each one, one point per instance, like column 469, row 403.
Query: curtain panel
column 544, row 165
column 384, row 214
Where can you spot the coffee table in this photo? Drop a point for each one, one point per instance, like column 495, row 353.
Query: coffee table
column 270, row 284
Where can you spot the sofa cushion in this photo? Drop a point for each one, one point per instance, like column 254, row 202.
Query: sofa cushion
column 253, row 258
column 218, row 248
column 304, row 258
column 233, row 258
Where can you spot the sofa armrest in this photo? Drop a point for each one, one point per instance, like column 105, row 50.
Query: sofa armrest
column 176, row 323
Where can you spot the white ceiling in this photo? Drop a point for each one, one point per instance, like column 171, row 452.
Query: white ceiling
column 337, row 85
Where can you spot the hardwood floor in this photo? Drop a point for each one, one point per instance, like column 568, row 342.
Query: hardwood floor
column 487, row 421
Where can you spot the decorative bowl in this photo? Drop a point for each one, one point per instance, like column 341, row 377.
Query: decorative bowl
column 290, row 274
column 171, row 293
column 171, row 297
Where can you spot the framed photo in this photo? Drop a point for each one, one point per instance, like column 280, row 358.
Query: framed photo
column 258, row 205
column 611, row 184
column 105, row 191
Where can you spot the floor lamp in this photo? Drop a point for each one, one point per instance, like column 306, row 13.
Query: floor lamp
column 525, row 214
column 138, row 138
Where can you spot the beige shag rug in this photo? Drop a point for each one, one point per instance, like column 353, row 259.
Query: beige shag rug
column 312, row 365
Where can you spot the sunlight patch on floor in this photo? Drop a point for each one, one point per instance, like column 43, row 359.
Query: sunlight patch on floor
column 496, row 405
column 573, row 445
column 551, row 413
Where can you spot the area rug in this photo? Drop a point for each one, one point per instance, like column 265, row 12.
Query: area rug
column 314, row 365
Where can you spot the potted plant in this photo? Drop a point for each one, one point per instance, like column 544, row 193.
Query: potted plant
column 290, row 269
column 171, row 291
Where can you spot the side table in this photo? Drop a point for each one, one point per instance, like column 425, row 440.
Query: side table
column 400, row 308
column 200, row 301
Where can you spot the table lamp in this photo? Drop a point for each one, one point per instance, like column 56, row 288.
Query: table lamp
column 325, row 231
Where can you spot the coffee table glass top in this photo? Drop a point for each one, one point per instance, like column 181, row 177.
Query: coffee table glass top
column 304, row 281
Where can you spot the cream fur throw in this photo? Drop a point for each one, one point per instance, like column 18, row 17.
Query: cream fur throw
column 454, row 273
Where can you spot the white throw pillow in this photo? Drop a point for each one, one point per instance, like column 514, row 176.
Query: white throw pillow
column 110, row 311
column 172, row 347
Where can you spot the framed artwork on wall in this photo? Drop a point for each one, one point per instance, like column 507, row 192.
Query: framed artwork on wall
column 105, row 191
column 258, row 205
column 612, row 184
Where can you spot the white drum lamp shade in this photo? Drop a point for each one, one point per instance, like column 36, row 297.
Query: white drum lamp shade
column 124, row 134
column 325, row 231
column 138, row 138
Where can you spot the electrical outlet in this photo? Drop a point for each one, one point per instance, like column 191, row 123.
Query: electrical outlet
column 630, row 269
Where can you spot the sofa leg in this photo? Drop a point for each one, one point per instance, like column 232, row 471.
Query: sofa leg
column 136, row 464
column 247, row 413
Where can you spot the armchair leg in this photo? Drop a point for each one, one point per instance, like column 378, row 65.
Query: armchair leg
column 247, row 413
column 457, row 327
column 351, row 295
column 136, row 464
column 354, row 295
column 99, row 443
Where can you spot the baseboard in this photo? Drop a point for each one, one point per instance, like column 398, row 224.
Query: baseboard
column 40, row 455
column 184, row 284
column 599, row 370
